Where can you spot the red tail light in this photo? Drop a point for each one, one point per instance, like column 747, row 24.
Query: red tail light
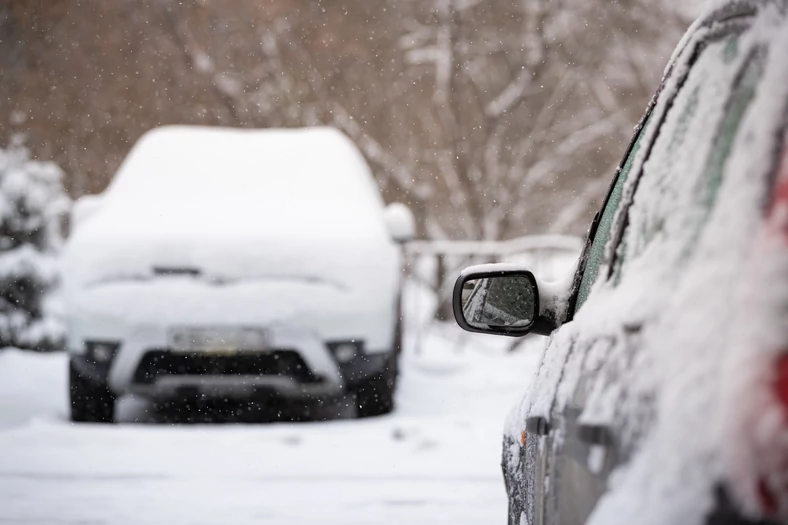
column 767, row 493
column 770, row 490
column 761, row 477
column 767, row 499
column 781, row 380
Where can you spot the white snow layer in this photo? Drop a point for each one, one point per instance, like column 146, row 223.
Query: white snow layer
column 236, row 204
column 436, row 459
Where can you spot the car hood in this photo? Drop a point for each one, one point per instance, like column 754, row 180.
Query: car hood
column 115, row 247
column 170, row 301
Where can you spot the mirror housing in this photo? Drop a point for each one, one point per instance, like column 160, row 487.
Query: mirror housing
column 517, row 309
column 400, row 222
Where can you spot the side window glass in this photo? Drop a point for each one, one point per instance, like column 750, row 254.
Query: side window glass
column 596, row 253
column 705, row 191
column 674, row 172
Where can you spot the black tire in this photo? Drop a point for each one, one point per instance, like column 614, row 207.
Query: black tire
column 375, row 396
column 91, row 402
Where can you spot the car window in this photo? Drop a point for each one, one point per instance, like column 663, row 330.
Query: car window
column 680, row 179
column 705, row 194
column 596, row 252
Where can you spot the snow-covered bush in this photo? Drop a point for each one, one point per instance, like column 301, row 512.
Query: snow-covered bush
column 32, row 202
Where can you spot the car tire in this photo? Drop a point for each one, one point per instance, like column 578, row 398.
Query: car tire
column 91, row 402
column 375, row 396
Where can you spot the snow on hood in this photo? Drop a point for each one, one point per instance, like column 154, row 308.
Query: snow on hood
column 227, row 204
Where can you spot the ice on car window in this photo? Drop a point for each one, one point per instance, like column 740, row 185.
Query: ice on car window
column 708, row 186
column 667, row 205
column 597, row 251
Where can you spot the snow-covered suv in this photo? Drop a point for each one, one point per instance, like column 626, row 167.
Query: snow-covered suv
column 235, row 264
column 662, row 394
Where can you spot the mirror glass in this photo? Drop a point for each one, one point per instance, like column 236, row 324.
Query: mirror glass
column 507, row 301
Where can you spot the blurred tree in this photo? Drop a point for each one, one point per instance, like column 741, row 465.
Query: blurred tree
column 32, row 203
column 531, row 102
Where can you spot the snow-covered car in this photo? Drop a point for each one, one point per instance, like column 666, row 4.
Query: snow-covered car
column 662, row 393
column 227, row 263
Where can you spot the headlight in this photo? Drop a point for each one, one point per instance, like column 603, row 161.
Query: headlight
column 101, row 351
column 346, row 351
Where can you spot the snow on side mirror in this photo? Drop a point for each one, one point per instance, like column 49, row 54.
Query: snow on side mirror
column 500, row 299
column 83, row 208
column 400, row 222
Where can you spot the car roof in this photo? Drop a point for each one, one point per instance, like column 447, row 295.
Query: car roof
column 302, row 164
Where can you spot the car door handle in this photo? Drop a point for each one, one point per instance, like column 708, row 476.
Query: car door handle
column 537, row 425
column 595, row 434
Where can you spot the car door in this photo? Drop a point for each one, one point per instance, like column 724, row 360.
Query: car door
column 570, row 489
column 583, row 441
column 546, row 427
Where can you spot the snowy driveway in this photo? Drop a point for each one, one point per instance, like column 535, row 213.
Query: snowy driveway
column 436, row 460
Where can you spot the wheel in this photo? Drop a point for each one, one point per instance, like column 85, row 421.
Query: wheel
column 375, row 396
column 91, row 402
column 397, row 346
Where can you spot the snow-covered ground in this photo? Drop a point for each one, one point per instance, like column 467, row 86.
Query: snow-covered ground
column 435, row 460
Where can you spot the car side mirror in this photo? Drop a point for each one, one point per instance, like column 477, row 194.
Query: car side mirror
column 400, row 222
column 500, row 299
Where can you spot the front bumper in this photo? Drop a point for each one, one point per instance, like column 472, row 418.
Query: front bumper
column 298, row 365
column 241, row 387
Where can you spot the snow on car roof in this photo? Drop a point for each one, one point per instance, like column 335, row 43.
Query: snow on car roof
column 188, row 180
column 236, row 204
column 308, row 166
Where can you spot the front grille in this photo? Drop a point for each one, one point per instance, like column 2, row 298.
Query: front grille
column 157, row 363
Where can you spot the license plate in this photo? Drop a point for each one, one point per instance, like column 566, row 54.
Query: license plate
column 218, row 340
